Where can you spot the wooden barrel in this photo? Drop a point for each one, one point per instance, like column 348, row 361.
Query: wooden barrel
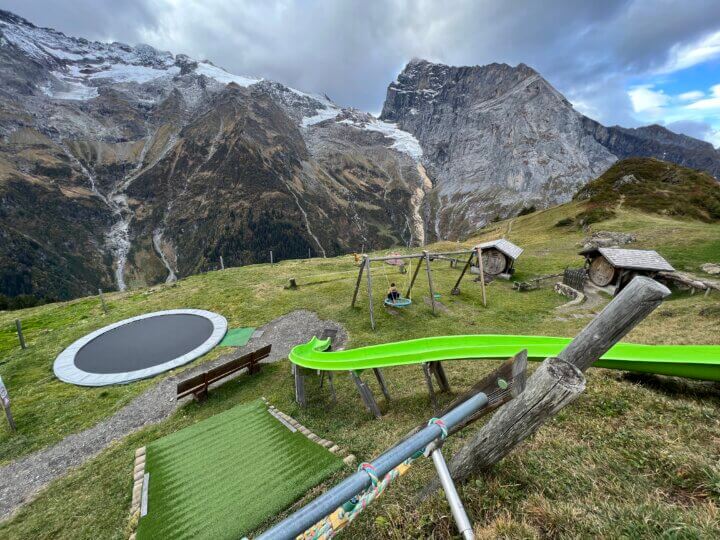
column 601, row 272
column 494, row 262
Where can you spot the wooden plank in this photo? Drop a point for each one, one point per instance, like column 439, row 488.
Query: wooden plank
column 331, row 386
column 381, row 380
column 412, row 281
column 430, row 282
column 359, row 280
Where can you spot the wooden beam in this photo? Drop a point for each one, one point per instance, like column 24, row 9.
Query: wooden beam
column 482, row 275
column 440, row 376
column 463, row 252
column 381, row 381
column 299, row 386
column 357, row 283
column 412, row 281
column 369, row 292
column 456, row 288
column 393, row 257
column 430, row 283
column 366, row 395
column 428, row 382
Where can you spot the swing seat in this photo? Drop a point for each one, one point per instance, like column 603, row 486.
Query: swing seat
column 399, row 303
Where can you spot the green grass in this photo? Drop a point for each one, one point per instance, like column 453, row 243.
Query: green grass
column 224, row 476
column 630, row 458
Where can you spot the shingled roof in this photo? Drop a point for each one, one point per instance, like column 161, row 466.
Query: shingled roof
column 504, row 246
column 636, row 259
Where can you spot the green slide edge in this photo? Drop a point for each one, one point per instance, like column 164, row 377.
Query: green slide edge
column 690, row 361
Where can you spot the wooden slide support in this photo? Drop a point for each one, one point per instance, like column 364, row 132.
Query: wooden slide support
column 557, row 382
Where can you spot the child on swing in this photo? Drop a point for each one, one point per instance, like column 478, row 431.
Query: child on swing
column 393, row 294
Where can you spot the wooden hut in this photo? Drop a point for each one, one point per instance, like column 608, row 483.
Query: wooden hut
column 499, row 256
column 614, row 266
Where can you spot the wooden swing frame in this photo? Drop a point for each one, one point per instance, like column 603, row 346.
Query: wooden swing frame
column 425, row 256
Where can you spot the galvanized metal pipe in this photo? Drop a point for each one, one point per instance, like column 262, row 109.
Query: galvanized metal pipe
column 329, row 501
column 458, row 510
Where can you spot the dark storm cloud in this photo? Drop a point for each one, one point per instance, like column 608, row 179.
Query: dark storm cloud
column 351, row 50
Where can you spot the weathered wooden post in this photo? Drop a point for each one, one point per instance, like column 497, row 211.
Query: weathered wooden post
column 271, row 257
column 102, row 301
column 5, row 399
column 456, row 288
column 359, row 280
column 369, row 291
column 414, row 277
column 482, row 275
column 222, row 263
column 18, row 325
column 430, row 283
column 558, row 381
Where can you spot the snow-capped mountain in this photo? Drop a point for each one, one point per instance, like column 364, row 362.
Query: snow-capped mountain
column 124, row 165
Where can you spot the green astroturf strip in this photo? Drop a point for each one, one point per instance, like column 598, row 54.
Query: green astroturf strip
column 237, row 337
column 222, row 477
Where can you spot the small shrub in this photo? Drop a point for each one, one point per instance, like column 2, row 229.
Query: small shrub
column 527, row 210
column 565, row 222
column 594, row 215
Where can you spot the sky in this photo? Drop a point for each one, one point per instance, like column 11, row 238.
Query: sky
column 626, row 62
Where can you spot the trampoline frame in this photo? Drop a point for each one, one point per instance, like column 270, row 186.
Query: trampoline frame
column 66, row 370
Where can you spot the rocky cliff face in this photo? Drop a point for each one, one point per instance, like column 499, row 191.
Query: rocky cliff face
column 497, row 138
column 124, row 166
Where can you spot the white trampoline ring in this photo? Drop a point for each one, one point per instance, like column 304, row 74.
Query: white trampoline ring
column 140, row 347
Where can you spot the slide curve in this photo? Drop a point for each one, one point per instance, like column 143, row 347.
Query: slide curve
column 691, row 361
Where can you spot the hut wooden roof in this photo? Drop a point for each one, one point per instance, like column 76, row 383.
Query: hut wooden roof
column 504, row 246
column 636, row 259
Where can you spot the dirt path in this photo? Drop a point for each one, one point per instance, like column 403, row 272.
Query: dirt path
column 21, row 480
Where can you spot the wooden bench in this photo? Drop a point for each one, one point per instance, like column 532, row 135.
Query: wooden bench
column 198, row 385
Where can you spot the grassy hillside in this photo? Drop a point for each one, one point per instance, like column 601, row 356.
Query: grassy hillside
column 654, row 186
column 633, row 457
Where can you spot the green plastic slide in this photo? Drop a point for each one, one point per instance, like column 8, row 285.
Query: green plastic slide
column 691, row 361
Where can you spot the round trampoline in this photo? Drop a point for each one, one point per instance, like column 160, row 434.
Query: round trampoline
column 140, row 347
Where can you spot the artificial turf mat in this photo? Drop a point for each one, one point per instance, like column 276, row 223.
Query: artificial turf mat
column 224, row 476
column 237, row 337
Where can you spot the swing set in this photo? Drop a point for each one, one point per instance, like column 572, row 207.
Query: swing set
column 423, row 259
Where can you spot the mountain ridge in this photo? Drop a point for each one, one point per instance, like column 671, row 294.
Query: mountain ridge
column 162, row 164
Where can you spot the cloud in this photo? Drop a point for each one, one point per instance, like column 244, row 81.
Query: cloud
column 646, row 100
column 712, row 102
column 693, row 95
column 590, row 51
column 693, row 128
column 683, row 56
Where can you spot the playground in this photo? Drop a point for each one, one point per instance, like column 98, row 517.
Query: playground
column 557, row 483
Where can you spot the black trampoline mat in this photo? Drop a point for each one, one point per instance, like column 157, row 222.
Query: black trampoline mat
column 144, row 343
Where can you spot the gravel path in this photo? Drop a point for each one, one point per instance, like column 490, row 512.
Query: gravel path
column 21, row 480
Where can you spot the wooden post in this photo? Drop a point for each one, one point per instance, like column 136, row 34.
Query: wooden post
column 381, row 380
column 482, row 275
column 308, row 253
column 440, row 376
column 299, row 386
column 18, row 325
column 430, row 283
column 412, row 281
column 222, row 263
column 369, row 292
column 456, row 288
column 102, row 301
column 271, row 257
column 5, row 400
column 431, row 390
column 366, row 395
column 359, row 279
column 331, row 386
column 558, row 381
